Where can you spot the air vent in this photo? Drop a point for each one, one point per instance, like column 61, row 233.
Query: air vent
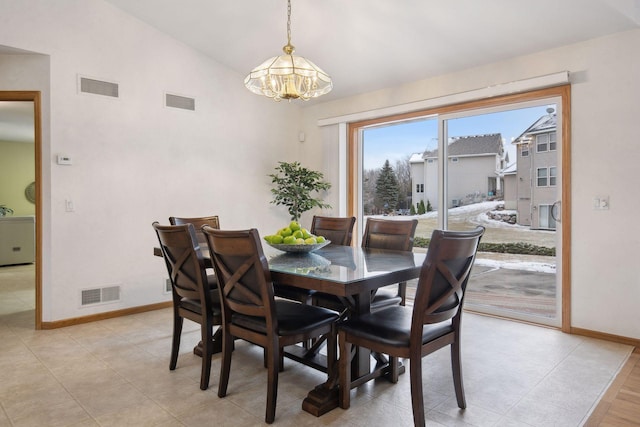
column 100, row 295
column 177, row 101
column 167, row 286
column 98, row 87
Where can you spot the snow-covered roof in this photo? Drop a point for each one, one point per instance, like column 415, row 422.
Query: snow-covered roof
column 473, row 145
column 546, row 123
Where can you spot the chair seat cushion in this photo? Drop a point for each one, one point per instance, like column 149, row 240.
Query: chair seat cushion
column 291, row 292
column 385, row 298
column 391, row 326
column 293, row 318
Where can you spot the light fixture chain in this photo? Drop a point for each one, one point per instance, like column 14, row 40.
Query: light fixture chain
column 288, row 21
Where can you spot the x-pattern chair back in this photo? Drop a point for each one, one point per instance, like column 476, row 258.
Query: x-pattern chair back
column 243, row 273
column 185, row 264
column 444, row 276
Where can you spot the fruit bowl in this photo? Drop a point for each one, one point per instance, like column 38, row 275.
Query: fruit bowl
column 299, row 248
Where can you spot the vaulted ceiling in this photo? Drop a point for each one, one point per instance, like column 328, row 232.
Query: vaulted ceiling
column 372, row 44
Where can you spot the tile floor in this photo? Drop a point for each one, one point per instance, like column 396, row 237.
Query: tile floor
column 115, row 373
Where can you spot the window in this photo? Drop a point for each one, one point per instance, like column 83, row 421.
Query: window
column 542, row 177
column 552, row 141
column 553, row 175
column 454, row 160
column 547, row 177
column 430, row 161
column 419, row 188
column 542, row 143
column 524, row 150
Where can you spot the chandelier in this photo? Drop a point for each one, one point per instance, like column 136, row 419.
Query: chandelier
column 288, row 76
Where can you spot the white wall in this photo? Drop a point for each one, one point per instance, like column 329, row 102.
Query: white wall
column 605, row 285
column 135, row 161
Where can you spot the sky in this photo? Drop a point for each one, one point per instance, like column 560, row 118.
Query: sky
column 395, row 142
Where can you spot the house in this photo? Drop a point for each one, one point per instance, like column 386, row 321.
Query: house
column 536, row 176
column 474, row 162
column 136, row 160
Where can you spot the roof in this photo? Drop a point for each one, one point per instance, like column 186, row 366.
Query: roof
column 546, row 123
column 474, row 145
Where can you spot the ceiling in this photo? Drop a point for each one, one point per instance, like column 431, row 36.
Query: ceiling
column 373, row 44
column 366, row 45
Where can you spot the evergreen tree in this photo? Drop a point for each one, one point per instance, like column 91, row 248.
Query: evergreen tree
column 412, row 210
column 429, row 207
column 421, row 208
column 387, row 189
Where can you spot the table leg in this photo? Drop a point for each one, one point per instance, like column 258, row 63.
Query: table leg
column 217, row 344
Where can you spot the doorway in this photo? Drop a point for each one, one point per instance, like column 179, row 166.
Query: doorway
column 13, row 117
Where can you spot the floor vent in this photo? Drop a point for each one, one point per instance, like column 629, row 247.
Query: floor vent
column 182, row 102
column 98, row 87
column 100, row 295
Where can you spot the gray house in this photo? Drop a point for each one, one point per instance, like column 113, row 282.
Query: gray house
column 473, row 162
column 536, row 175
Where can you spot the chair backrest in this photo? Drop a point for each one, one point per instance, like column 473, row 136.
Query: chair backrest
column 389, row 234
column 444, row 275
column 198, row 222
column 339, row 230
column 243, row 274
column 184, row 260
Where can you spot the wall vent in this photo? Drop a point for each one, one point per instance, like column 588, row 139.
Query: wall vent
column 167, row 286
column 98, row 87
column 100, row 295
column 177, row 101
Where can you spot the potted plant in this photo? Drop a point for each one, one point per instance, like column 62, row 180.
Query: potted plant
column 293, row 187
column 5, row 211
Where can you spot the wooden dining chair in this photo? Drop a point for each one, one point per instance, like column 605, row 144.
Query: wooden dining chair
column 250, row 311
column 393, row 235
column 338, row 230
column 195, row 295
column 433, row 323
column 198, row 222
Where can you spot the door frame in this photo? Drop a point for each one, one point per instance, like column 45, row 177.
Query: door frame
column 563, row 92
column 35, row 97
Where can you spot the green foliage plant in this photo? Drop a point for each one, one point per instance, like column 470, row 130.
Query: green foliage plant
column 421, row 209
column 412, row 210
column 293, row 185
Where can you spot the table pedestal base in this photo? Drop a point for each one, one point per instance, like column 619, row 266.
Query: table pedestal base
column 217, row 344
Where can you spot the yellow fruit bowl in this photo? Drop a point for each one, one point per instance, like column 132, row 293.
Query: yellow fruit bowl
column 301, row 248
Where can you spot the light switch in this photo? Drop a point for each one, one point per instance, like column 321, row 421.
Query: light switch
column 68, row 205
column 64, row 159
column 601, row 203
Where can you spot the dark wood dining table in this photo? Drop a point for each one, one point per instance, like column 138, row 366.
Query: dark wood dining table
column 351, row 273
column 348, row 272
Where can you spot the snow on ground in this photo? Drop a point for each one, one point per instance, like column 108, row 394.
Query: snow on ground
column 478, row 215
column 540, row 267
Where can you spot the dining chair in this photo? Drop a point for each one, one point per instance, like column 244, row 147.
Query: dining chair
column 338, row 230
column 198, row 222
column 195, row 295
column 251, row 312
column 380, row 234
column 432, row 323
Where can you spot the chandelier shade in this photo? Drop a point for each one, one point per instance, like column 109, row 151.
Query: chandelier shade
column 288, row 76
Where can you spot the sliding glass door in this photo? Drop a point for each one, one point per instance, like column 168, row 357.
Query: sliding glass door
column 499, row 166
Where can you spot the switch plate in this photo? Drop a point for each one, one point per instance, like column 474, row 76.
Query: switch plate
column 68, row 205
column 601, row 203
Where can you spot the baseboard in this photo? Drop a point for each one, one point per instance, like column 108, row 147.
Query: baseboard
column 608, row 337
column 106, row 315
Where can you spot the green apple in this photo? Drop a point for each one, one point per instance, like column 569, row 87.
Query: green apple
column 305, row 233
column 294, row 225
column 320, row 239
column 284, row 232
column 298, row 234
column 310, row 241
column 276, row 239
column 300, row 241
column 289, row 240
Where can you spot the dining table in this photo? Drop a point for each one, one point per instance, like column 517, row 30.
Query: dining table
column 350, row 273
